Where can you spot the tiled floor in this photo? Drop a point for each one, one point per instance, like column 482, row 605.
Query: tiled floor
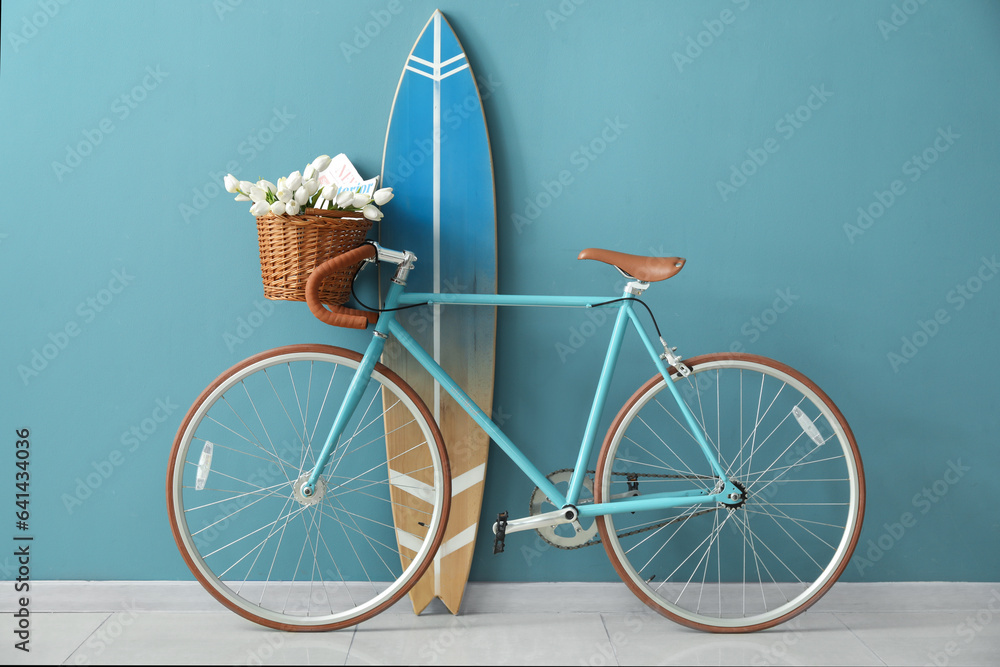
column 177, row 623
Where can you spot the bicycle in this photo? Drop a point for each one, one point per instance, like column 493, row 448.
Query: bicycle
column 728, row 492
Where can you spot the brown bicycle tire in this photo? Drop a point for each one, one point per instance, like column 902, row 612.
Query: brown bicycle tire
column 602, row 493
column 172, row 506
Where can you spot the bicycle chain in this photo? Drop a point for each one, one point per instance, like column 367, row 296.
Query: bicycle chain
column 597, row 540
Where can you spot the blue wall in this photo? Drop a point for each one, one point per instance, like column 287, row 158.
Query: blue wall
column 837, row 159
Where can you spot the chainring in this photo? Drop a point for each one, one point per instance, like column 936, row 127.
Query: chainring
column 565, row 536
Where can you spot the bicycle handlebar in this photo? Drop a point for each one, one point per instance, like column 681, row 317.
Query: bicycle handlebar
column 339, row 316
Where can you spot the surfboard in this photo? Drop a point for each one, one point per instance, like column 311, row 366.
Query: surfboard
column 438, row 162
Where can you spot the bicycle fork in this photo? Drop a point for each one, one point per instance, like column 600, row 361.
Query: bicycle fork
column 354, row 393
column 362, row 376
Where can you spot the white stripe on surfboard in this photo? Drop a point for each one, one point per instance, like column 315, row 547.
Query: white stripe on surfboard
column 457, row 542
column 425, row 491
column 416, row 71
column 408, row 540
column 448, row 547
column 436, row 69
column 454, row 71
column 467, row 479
column 436, row 77
column 437, row 206
column 413, row 543
column 421, row 61
column 451, row 60
column 412, row 486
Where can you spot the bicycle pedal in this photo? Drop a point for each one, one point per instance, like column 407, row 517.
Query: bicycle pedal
column 499, row 532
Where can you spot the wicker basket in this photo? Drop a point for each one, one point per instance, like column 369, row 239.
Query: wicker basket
column 291, row 246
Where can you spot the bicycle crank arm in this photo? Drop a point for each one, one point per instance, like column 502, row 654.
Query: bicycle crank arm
column 565, row 515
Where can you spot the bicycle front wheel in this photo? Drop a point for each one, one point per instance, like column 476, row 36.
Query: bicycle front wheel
column 329, row 560
column 766, row 556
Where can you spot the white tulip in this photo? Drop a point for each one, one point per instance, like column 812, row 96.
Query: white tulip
column 371, row 212
column 360, row 200
column 294, row 181
column 345, row 199
column 242, row 197
column 382, row 196
column 301, row 196
column 292, row 208
column 321, row 163
column 257, row 194
column 284, row 194
column 329, row 192
column 281, row 183
column 260, row 208
column 266, row 185
column 245, row 186
column 232, row 184
column 311, row 186
column 309, row 173
column 278, row 208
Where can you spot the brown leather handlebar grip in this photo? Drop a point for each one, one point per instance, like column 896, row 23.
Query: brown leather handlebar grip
column 339, row 316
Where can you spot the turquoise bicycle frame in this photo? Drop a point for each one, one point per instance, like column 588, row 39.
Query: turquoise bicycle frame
column 388, row 325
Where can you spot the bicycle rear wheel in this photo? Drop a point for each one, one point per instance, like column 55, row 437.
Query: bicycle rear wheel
column 306, row 563
column 769, row 555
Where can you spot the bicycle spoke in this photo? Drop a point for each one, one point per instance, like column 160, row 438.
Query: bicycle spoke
column 289, row 561
column 755, row 561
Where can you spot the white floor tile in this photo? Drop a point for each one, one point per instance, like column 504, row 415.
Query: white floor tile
column 113, row 596
column 808, row 639
column 556, row 597
column 910, row 596
column 504, row 623
column 931, row 638
column 216, row 638
column 52, row 638
column 479, row 639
